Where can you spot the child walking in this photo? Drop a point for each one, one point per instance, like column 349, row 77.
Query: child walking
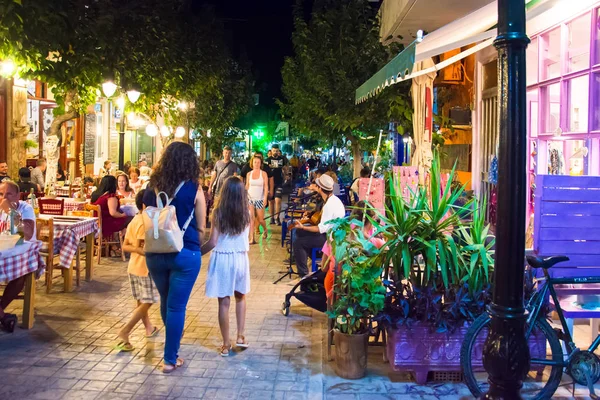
column 229, row 268
column 142, row 287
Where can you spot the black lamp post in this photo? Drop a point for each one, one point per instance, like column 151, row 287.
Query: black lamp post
column 506, row 353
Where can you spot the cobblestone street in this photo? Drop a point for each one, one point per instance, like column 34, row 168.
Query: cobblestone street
column 69, row 353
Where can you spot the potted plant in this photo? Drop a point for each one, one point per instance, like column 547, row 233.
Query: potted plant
column 442, row 257
column 359, row 295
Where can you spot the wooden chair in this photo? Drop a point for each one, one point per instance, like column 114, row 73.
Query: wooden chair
column 104, row 242
column 25, row 196
column 81, row 248
column 49, row 256
column 96, row 212
column 51, row 206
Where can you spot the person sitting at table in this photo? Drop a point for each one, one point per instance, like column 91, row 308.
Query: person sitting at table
column 9, row 200
column 105, row 170
column 113, row 220
column 60, row 174
column 123, row 189
column 135, row 182
column 25, row 184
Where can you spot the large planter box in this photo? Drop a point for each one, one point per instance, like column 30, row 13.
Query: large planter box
column 419, row 350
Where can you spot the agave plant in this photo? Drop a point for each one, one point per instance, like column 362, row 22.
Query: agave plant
column 434, row 232
column 477, row 249
column 398, row 226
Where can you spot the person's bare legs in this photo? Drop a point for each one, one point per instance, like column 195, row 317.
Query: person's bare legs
column 224, row 320
column 240, row 317
column 11, row 292
column 260, row 218
column 140, row 313
column 251, row 238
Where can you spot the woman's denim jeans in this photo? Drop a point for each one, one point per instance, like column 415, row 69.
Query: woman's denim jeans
column 174, row 275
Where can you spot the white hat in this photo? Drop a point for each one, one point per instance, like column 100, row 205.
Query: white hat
column 325, row 182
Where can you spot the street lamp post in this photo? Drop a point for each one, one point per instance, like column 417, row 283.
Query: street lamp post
column 506, row 353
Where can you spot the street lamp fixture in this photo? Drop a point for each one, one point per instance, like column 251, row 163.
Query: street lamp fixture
column 182, row 105
column 109, row 88
column 165, row 131
column 180, row 132
column 133, row 95
column 7, row 68
column 151, row 130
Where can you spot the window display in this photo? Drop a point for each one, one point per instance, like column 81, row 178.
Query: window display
column 579, row 43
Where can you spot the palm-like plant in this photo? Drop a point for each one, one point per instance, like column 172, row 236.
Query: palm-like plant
column 477, row 254
column 439, row 216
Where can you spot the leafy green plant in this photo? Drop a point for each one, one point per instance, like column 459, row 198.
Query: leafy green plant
column 29, row 144
column 477, row 254
column 359, row 291
column 437, row 246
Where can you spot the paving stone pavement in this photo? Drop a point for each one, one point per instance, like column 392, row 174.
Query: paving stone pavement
column 69, row 353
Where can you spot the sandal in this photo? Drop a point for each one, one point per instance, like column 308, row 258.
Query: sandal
column 154, row 332
column 125, row 347
column 265, row 234
column 168, row 368
column 8, row 322
column 225, row 350
column 243, row 344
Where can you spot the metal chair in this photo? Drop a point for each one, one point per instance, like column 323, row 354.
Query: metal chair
column 51, row 206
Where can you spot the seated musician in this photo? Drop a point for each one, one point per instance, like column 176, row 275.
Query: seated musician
column 308, row 237
column 9, row 200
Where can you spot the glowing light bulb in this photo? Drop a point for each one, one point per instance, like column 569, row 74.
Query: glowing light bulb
column 109, row 88
column 151, row 130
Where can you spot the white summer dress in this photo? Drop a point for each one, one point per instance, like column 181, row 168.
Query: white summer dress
column 229, row 266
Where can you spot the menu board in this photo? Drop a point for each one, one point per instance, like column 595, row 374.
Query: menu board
column 89, row 141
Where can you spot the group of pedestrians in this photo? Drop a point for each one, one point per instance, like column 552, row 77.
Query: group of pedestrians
column 173, row 275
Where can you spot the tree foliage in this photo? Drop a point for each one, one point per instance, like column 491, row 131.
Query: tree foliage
column 158, row 47
column 336, row 51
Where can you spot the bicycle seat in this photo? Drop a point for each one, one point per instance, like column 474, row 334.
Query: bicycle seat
column 545, row 262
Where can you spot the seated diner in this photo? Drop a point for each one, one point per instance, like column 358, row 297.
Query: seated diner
column 9, row 200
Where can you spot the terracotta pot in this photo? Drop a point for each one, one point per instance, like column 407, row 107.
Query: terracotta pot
column 350, row 354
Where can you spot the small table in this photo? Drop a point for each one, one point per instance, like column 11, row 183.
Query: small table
column 23, row 260
column 68, row 231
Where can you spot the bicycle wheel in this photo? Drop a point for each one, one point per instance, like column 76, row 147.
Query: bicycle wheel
column 541, row 381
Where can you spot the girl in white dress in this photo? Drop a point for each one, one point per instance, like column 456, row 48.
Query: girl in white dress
column 229, row 268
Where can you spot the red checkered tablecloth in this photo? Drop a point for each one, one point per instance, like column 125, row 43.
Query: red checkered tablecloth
column 20, row 261
column 67, row 235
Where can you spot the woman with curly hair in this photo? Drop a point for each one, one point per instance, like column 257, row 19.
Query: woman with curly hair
column 174, row 274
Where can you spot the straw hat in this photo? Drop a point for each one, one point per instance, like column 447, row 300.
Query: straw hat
column 325, row 182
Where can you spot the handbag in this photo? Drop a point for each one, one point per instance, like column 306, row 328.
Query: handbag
column 214, row 184
column 162, row 229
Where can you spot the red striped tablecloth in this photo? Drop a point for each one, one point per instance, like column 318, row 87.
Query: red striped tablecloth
column 20, row 261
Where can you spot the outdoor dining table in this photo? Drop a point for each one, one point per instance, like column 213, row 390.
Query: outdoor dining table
column 68, row 231
column 23, row 260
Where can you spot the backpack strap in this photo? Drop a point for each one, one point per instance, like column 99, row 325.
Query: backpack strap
column 159, row 202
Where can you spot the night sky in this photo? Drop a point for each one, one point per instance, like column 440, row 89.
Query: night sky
column 261, row 30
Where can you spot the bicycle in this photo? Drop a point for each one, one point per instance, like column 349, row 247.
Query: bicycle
column 582, row 365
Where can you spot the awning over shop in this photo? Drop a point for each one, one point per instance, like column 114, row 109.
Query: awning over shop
column 476, row 28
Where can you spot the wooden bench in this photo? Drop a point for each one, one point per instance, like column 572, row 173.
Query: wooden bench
column 567, row 222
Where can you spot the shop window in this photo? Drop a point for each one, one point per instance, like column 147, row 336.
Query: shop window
column 551, row 108
column 595, row 95
column 533, row 112
column 550, row 54
column 578, row 50
column 578, row 103
column 532, row 62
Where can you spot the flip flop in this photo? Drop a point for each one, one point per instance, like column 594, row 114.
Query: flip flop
column 168, row 368
column 125, row 347
column 154, row 332
column 244, row 344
